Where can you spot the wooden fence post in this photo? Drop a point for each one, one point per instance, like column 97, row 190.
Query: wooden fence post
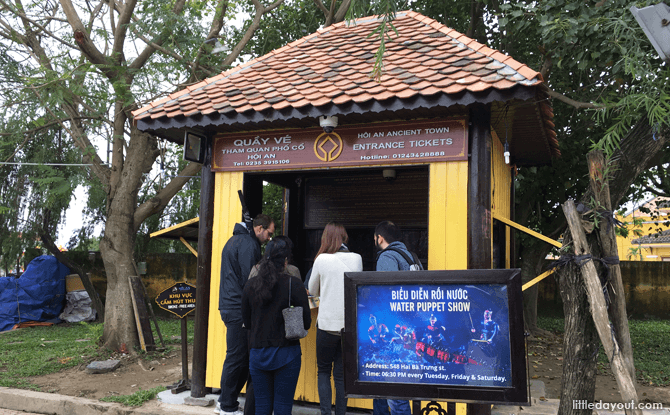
column 607, row 237
column 599, row 310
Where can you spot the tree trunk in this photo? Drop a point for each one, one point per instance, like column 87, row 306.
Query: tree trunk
column 118, row 242
column 116, row 249
column 580, row 344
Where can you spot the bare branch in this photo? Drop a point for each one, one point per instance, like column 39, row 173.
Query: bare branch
column 122, row 29
column 26, row 19
column 321, row 7
column 84, row 41
column 214, row 31
column 81, row 140
column 255, row 24
column 342, row 11
column 158, row 202
column 143, row 57
column 572, row 102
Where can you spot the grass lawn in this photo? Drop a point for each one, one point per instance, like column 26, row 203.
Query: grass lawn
column 41, row 350
column 651, row 347
column 37, row 351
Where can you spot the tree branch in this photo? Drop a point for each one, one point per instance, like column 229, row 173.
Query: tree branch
column 342, row 11
column 84, row 41
column 158, row 202
column 81, row 140
column 255, row 24
column 214, row 31
column 572, row 102
column 26, row 19
column 122, row 30
column 144, row 56
column 320, row 6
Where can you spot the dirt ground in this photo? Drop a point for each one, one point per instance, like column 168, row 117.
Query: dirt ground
column 545, row 361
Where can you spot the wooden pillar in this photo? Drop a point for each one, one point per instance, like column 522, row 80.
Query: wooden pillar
column 479, row 189
column 479, row 203
column 204, row 276
column 512, row 215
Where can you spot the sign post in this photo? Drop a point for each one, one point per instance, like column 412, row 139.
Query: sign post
column 179, row 300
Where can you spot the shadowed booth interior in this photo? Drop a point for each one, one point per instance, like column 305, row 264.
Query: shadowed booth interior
column 432, row 145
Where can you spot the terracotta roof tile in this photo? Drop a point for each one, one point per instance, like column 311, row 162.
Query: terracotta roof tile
column 420, row 86
column 527, row 72
column 341, row 99
column 454, row 88
column 333, row 65
column 431, row 90
column 503, row 84
column 406, row 93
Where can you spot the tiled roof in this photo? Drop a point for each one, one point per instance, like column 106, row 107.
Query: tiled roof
column 328, row 72
column 657, row 238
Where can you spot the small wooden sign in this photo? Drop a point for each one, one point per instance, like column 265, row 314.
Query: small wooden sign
column 178, row 299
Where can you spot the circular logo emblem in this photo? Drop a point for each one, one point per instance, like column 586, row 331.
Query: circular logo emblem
column 328, row 146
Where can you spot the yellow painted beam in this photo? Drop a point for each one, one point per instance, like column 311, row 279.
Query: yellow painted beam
column 188, row 245
column 528, row 231
column 537, row 279
column 177, row 226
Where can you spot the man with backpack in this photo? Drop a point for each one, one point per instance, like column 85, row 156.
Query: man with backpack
column 393, row 256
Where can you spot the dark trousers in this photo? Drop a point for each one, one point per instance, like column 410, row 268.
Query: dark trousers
column 329, row 358
column 235, row 371
column 397, row 407
column 276, row 388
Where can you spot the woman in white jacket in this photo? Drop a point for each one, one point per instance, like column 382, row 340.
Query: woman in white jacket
column 327, row 282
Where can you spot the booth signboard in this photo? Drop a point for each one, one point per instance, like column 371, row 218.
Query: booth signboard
column 178, row 299
column 420, row 141
column 435, row 335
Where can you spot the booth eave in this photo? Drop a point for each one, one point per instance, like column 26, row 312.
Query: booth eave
column 535, row 148
column 187, row 230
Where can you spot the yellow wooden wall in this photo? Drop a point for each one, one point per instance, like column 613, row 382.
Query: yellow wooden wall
column 227, row 212
column 448, row 215
column 501, row 178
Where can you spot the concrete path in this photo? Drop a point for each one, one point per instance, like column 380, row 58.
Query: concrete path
column 23, row 402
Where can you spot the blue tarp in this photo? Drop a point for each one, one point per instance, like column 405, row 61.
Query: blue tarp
column 37, row 295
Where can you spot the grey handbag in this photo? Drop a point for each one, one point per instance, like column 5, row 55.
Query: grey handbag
column 294, row 325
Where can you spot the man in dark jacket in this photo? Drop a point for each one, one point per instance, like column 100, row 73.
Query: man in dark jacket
column 239, row 255
column 387, row 240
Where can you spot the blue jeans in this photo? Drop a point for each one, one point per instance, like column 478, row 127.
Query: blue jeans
column 275, row 388
column 235, row 371
column 380, row 407
column 397, row 407
column 329, row 358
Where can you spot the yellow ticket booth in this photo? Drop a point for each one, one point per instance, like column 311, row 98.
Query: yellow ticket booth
column 432, row 145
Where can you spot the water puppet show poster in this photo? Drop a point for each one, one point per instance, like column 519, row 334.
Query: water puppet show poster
column 446, row 334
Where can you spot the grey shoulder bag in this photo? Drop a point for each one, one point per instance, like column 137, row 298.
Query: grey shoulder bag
column 294, row 324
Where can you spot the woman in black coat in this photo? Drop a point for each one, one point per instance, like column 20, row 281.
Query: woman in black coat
column 274, row 361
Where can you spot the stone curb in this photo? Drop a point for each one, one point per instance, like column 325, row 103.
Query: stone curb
column 49, row 403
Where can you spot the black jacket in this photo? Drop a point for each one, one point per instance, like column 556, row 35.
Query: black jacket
column 241, row 252
column 266, row 322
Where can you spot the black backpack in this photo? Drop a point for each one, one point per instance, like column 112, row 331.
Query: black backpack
column 414, row 262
